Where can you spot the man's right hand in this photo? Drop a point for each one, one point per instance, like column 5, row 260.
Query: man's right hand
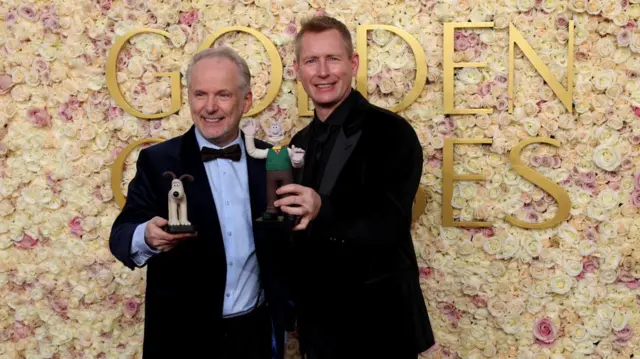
column 160, row 240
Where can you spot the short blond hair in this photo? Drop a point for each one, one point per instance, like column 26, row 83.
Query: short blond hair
column 323, row 23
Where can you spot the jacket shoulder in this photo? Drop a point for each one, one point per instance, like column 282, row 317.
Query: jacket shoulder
column 389, row 123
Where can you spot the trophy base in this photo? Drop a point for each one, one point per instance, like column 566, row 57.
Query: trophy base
column 277, row 220
column 179, row 229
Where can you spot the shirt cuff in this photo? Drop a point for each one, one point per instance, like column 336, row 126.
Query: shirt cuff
column 140, row 250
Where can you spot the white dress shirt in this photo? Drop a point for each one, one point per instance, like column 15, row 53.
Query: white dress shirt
column 229, row 182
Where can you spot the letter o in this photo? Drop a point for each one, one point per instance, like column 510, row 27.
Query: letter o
column 117, row 168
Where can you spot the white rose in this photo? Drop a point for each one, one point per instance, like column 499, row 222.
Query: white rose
column 579, row 334
column 573, row 267
column 533, row 247
column 470, row 75
column 561, row 284
column 496, row 307
column 510, row 324
column 569, row 234
column 604, row 79
column 509, row 247
column 492, row 245
column 606, row 157
column 534, row 305
column 608, row 276
column 619, row 320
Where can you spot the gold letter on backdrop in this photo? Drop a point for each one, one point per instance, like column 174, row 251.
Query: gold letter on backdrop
column 419, row 204
column 274, row 56
column 118, row 168
column 560, row 195
column 565, row 95
column 448, row 177
column 418, row 53
column 448, row 67
column 112, row 78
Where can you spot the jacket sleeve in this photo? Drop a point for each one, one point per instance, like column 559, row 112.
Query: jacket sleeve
column 138, row 209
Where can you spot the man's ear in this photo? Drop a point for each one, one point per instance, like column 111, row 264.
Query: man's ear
column 355, row 63
column 248, row 101
column 296, row 68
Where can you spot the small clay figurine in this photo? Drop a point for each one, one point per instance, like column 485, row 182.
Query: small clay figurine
column 177, row 221
column 280, row 160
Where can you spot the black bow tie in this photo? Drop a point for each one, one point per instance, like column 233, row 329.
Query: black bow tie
column 232, row 152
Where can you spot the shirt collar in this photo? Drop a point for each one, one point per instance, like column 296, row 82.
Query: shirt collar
column 339, row 115
column 202, row 142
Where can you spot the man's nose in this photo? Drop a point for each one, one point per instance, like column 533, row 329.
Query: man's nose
column 211, row 105
column 324, row 68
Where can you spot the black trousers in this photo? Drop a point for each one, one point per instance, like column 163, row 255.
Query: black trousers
column 248, row 336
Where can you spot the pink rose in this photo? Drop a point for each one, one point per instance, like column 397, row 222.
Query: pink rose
column 189, row 18
column 625, row 276
column 636, row 110
column 480, row 301
column 75, row 225
column 27, row 242
column 50, row 22
column 623, row 335
column 562, row 22
column 591, row 234
column 626, row 164
column 105, row 6
column 547, row 161
column 631, row 24
column 636, row 182
column 485, row 89
column 115, row 112
column 634, row 139
column 488, row 232
column 131, row 307
column 461, row 42
column 589, row 264
column 28, row 12
column 39, row 117
column 634, row 284
column 536, row 160
column 58, row 305
column 450, row 311
column 635, row 198
column 10, row 18
column 321, row 12
column 473, row 39
column 291, row 29
column 6, row 82
column 623, row 37
column 21, row 331
column 532, row 217
column 544, row 331
column 425, row 272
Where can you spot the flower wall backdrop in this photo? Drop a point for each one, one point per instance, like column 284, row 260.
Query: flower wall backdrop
column 501, row 292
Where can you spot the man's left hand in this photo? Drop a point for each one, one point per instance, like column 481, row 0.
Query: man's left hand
column 300, row 201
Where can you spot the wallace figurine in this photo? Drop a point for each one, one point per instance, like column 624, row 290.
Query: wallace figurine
column 280, row 160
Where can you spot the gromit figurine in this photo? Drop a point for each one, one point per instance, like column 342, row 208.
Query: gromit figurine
column 177, row 221
column 280, row 160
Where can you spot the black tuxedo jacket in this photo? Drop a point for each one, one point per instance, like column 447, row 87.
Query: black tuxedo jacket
column 357, row 286
column 185, row 286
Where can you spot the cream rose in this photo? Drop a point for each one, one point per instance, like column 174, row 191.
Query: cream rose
column 606, row 157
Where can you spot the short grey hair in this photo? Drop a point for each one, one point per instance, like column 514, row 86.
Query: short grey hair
column 226, row 53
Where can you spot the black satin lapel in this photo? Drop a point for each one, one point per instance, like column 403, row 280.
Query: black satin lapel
column 342, row 149
column 201, row 205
